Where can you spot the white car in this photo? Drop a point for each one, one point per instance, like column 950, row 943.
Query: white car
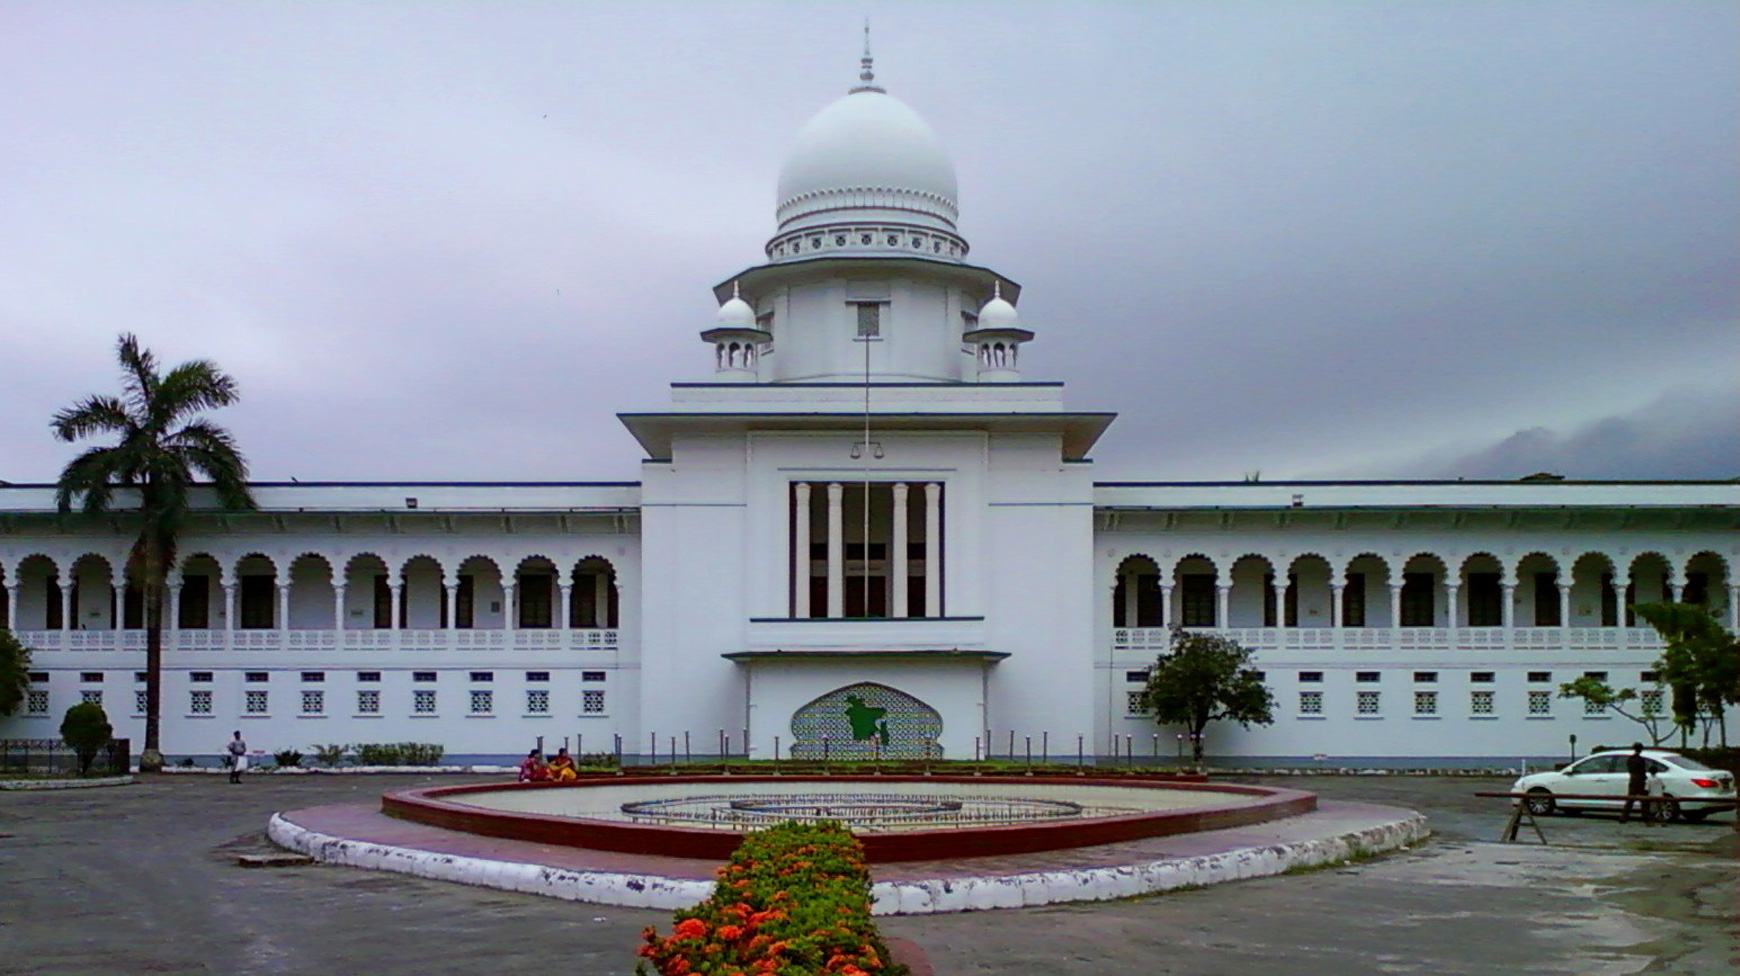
column 1695, row 790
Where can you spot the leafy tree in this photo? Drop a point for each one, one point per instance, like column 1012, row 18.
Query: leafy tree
column 1204, row 678
column 14, row 673
column 162, row 444
column 1598, row 692
column 1699, row 655
column 86, row 728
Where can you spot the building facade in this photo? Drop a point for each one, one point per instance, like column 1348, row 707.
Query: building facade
column 868, row 533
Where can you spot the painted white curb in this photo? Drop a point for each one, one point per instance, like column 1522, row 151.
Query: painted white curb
column 65, row 784
column 887, row 897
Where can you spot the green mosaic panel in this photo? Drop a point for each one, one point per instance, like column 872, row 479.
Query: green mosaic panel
column 865, row 720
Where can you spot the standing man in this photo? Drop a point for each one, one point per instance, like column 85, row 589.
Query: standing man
column 239, row 758
column 1636, row 781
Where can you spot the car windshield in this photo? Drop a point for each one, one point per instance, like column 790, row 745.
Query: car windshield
column 1684, row 762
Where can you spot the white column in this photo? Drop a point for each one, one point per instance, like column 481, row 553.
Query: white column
column 12, row 606
column 567, row 591
column 836, row 551
column 118, row 619
column 897, row 551
column 800, row 551
column 509, row 617
column 933, row 568
column 283, row 620
column 172, row 610
column 396, row 603
column 1564, row 603
column 229, row 606
column 1509, row 604
column 338, row 616
column 1280, row 604
column 66, row 605
column 1132, row 600
column 1222, row 601
column 1450, row 592
column 1733, row 605
column 450, row 618
column 1395, row 604
column 1673, row 590
column 1165, row 604
column 1335, row 597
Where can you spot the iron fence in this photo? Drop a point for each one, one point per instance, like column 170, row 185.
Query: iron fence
column 53, row 757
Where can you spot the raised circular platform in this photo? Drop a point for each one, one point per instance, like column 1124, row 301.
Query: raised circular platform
column 898, row 818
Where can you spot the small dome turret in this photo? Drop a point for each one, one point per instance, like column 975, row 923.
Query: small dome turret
column 997, row 313
column 736, row 313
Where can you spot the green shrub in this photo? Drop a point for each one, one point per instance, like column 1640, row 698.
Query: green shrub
column 793, row 901
column 329, row 755
column 287, row 758
column 87, row 730
column 399, row 753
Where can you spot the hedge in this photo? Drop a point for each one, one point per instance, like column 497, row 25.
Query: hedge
column 793, row 901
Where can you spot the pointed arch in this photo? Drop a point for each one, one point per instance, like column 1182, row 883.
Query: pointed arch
column 594, row 600
column 1136, row 592
column 867, row 719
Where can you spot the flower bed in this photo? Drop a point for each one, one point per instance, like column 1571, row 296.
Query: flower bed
column 793, row 901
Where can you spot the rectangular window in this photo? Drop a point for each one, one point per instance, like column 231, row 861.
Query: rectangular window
column 1311, row 703
column 256, row 598
column 1353, row 601
column 1547, row 600
column 1132, row 703
column 313, row 677
column 1425, row 703
column 1649, row 677
column 1593, row 707
column 537, row 675
column 465, row 602
column 1419, row 599
column 195, row 611
column 199, row 677
column 592, row 676
column 1310, row 677
column 538, row 701
column 368, row 702
column 1485, row 600
column 592, row 701
column 483, row 676
column 482, row 701
column 140, row 677
column 1367, row 677
column 536, row 593
column 1652, row 701
column 91, row 696
column 1425, row 677
column 1540, row 677
column 1482, row 677
column 423, row 701
column 91, row 677
column 368, row 676
column 1480, row 703
column 1198, row 601
column 313, row 701
column 422, row 676
column 1136, row 676
column 1367, row 702
column 257, row 677
column 255, row 702
column 39, row 676
column 139, row 702
column 1596, row 675
column 36, row 702
column 199, row 701
column 1540, row 703
column 869, row 319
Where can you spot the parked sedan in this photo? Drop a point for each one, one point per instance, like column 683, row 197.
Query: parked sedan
column 1694, row 790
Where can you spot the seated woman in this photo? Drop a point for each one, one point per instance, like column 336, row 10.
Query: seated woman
column 562, row 768
column 533, row 770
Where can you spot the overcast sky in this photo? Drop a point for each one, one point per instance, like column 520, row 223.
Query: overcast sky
column 446, row 241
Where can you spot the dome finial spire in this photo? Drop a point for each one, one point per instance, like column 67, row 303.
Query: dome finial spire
column 867, row 65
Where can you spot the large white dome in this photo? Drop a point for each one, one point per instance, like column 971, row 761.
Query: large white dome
column 868, row 140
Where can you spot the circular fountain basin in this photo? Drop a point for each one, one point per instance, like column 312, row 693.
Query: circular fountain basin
column 898, row 818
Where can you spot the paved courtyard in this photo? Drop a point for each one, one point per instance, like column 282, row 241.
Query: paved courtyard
column 143, row 879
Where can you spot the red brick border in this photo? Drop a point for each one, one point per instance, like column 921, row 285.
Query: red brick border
column 431, row 806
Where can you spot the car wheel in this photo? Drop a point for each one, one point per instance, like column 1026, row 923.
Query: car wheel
column 1539, row 801
column 1664, row 811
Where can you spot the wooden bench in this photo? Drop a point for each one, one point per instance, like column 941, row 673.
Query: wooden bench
column 1522, row 812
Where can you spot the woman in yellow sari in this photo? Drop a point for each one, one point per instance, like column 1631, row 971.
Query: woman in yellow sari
column 562, row 767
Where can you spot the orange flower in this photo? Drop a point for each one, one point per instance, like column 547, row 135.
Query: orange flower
column 690, row 928
column 730, row 933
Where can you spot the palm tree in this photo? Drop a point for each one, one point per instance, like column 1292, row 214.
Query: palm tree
column 14, row 673
column 162, row 446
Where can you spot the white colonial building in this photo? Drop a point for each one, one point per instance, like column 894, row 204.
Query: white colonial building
column 868, row 529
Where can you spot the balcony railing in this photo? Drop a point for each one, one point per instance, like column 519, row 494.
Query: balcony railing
column 1534, row 640
column 589, row 639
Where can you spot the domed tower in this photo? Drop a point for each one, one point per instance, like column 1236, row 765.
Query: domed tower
column 866, row 279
